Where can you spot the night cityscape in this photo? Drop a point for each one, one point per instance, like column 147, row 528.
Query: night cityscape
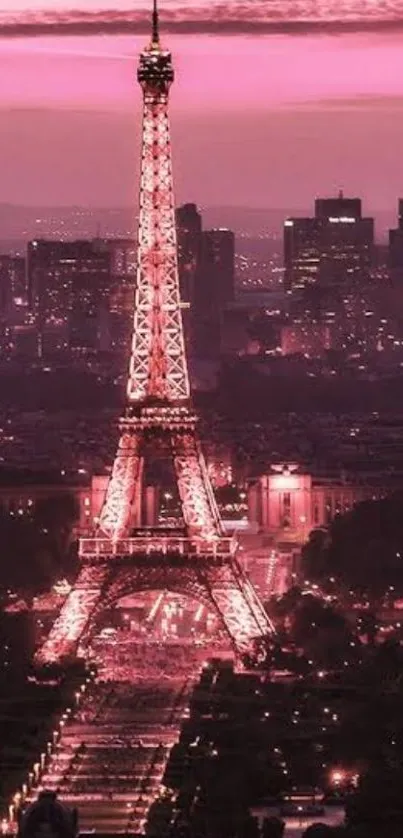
column 201, row 423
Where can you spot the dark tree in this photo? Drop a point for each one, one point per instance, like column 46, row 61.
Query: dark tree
column 273, row 828
column 364, row 550
column 320, row 830
column 55, row 518
column 378, row 803
column 322, row 632
column 37, row 547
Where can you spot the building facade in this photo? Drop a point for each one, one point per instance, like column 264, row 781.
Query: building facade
column 305, row 338
column 395, row 254
column 289, row 505
column 189, row 236
column 214, row 290
column 283, row 504
column 334, row 248
column 13, row 286
column 68, row 290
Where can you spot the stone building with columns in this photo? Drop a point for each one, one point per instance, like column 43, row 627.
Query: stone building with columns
column 289, row 504
column 284, row 503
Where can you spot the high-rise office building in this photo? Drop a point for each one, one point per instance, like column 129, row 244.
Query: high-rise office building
column 305, row 338
column 189, row 234
column 13, row 289
column 301, row 253
column 49, row 274
column 123, row 265
column 214, row 289
column 123, row 257
column 23, row 341
column 340, row 207
column 218, row 265
column 333, row 248
column 395, row 257
column 69, row 285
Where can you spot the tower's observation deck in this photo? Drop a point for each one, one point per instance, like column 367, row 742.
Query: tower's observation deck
column 155, row 73
column 151, row 546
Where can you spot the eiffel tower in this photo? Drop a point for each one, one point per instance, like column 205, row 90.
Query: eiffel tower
column 121, row 557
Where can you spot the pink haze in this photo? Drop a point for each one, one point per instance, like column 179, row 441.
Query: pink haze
column 262, row 121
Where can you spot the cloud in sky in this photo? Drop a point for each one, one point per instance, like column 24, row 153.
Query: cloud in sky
column 360, row 103
column 204, row 16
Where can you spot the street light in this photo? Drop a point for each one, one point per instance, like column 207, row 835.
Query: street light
column 337, row 777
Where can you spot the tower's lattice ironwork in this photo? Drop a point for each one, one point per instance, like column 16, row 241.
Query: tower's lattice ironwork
column 120, row 558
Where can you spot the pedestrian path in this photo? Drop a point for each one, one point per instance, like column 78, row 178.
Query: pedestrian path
column 111, row 757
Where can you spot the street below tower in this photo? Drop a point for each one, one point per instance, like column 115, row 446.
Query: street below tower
column 110, row 759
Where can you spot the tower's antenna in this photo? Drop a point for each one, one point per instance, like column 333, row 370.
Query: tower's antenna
column 155, row 37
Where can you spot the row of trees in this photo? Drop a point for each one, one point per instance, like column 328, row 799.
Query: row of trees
column 363, row 549
column 318, row 630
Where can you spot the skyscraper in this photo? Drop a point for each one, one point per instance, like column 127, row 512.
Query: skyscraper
column 302, row 251
column 189, row 234
column 214, row 289
column 123, row 260
column 335, row 248
column 68, row 286
column 340, row 207
column 218, row 265
column 395, row 258
column 13, row 289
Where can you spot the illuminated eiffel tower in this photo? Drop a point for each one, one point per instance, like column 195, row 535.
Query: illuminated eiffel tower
column 121, row 558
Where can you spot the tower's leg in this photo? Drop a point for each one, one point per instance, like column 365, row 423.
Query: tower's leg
column 224, row 589
column 261, row 618
column 198, row 503
column 121, row 508
column 237, row 605
column 61, row 643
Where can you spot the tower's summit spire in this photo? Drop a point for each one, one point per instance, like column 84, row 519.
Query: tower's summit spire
column 155, row 34
column 155, row 72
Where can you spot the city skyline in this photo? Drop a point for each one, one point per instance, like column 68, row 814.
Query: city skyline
column 260, row 120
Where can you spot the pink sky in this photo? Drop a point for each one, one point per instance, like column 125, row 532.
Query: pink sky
column 266, row 120
column 231, row 73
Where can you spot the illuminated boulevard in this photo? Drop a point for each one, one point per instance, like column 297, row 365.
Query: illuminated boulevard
column 111, row 756
column 128, row 731
column 111, row 751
